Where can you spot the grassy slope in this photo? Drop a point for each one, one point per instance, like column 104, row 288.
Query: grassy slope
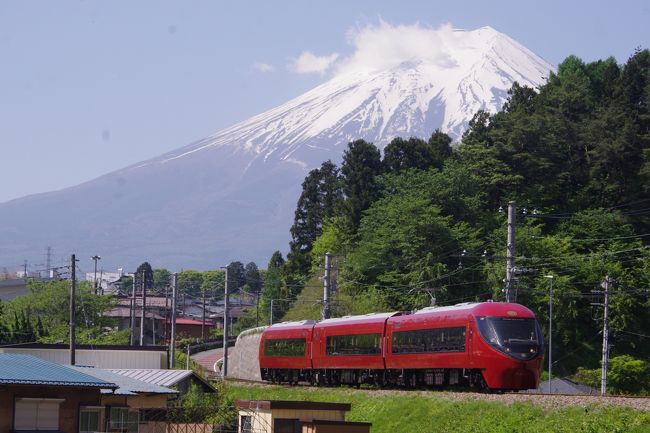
column 390, row 413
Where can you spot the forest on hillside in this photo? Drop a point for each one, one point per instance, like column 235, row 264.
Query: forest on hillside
column 427, row 219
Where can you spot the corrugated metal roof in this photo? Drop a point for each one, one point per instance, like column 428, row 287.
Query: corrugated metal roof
column 154, row 376
column 127, row 385
column 19, row 369
column 163, row 377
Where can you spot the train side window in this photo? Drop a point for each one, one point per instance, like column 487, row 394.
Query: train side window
column 355, row 344
column 429, row 340
column 293, row 347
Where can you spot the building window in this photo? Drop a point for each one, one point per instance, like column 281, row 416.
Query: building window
column 123, row 420
column 89, row 420
column 36, row 414
column 281, row 425
column 285, row 347
column 246, row 424
column 429, row 340
column 357, row 344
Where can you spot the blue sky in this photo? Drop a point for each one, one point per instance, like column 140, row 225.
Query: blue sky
column 88, row 87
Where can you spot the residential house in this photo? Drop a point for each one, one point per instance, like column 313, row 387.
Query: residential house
column 134, row 405
column 36, row 394
column 278, row 416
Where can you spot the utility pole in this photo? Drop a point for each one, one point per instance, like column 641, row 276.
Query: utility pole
column 73, row 291
column 132, row 321
column 271, row 321
column 225, row 326
column 510, row 251
column 95, row 258
column 257, row 309
column 550, row 332
column 144, row 302
column 25, row 270
column 603, row 376
column 173, row 326
column 203, row 317
column 327, row 286
column 166, row 309
column 605, row 359
column 48, row 262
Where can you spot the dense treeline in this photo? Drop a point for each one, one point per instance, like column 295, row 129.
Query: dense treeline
column 427, row 220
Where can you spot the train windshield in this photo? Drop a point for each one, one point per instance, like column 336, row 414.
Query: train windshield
column 519, row 338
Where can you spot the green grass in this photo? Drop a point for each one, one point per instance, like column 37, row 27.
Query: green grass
column 431, row 412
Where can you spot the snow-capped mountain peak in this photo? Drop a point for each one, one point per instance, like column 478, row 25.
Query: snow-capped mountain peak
column 467, row 71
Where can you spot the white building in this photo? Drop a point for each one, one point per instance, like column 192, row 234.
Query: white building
column 105, row 279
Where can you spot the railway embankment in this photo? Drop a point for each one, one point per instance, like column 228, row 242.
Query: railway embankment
column 444, row 411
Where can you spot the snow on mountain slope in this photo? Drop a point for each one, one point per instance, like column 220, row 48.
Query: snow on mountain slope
column 231, row 196
column 412, row 98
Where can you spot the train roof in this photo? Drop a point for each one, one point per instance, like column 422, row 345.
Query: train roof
column 371, row 317
column 457, row 307
column 295, row 324
column 480, row 308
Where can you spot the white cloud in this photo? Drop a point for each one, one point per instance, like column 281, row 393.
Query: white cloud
column 382, row 46
column 308, row 62
column 264, row 67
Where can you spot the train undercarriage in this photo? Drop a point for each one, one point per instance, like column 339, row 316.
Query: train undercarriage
column 404, row 378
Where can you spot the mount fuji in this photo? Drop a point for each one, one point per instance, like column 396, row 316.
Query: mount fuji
column 231, row 196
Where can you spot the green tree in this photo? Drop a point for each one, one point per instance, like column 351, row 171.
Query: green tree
column 144, row 271
column 213, row 283
column 405, row 242
column 253, row 277
column 416, row 153
column 236, row 276
column 190, row 282
column 361, row 166
column 162, row 280
column 320, row 198
column 47, row 306
column 274, row 288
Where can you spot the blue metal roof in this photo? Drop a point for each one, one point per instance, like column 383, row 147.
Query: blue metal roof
column 127, row 385
column 19, row 369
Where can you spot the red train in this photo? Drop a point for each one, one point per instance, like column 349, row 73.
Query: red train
column 493, row 345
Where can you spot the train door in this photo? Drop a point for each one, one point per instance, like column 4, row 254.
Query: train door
column 470, row 343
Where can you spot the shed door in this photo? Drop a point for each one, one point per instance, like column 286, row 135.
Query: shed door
column 37, row 414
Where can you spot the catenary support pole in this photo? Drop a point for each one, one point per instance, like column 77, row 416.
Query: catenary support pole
column 142, row 312
column 73, row 293
column 327, row 286
column 510, row 251
column 225, row 326
column 603, row 376
column 203, row 315
column 133, row 309
column 172, row 341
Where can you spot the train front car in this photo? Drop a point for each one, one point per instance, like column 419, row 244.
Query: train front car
column 483, row 345
column 285, row 352
column 508, row 346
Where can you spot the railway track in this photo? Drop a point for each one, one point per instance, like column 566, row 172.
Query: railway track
column 547, row 401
